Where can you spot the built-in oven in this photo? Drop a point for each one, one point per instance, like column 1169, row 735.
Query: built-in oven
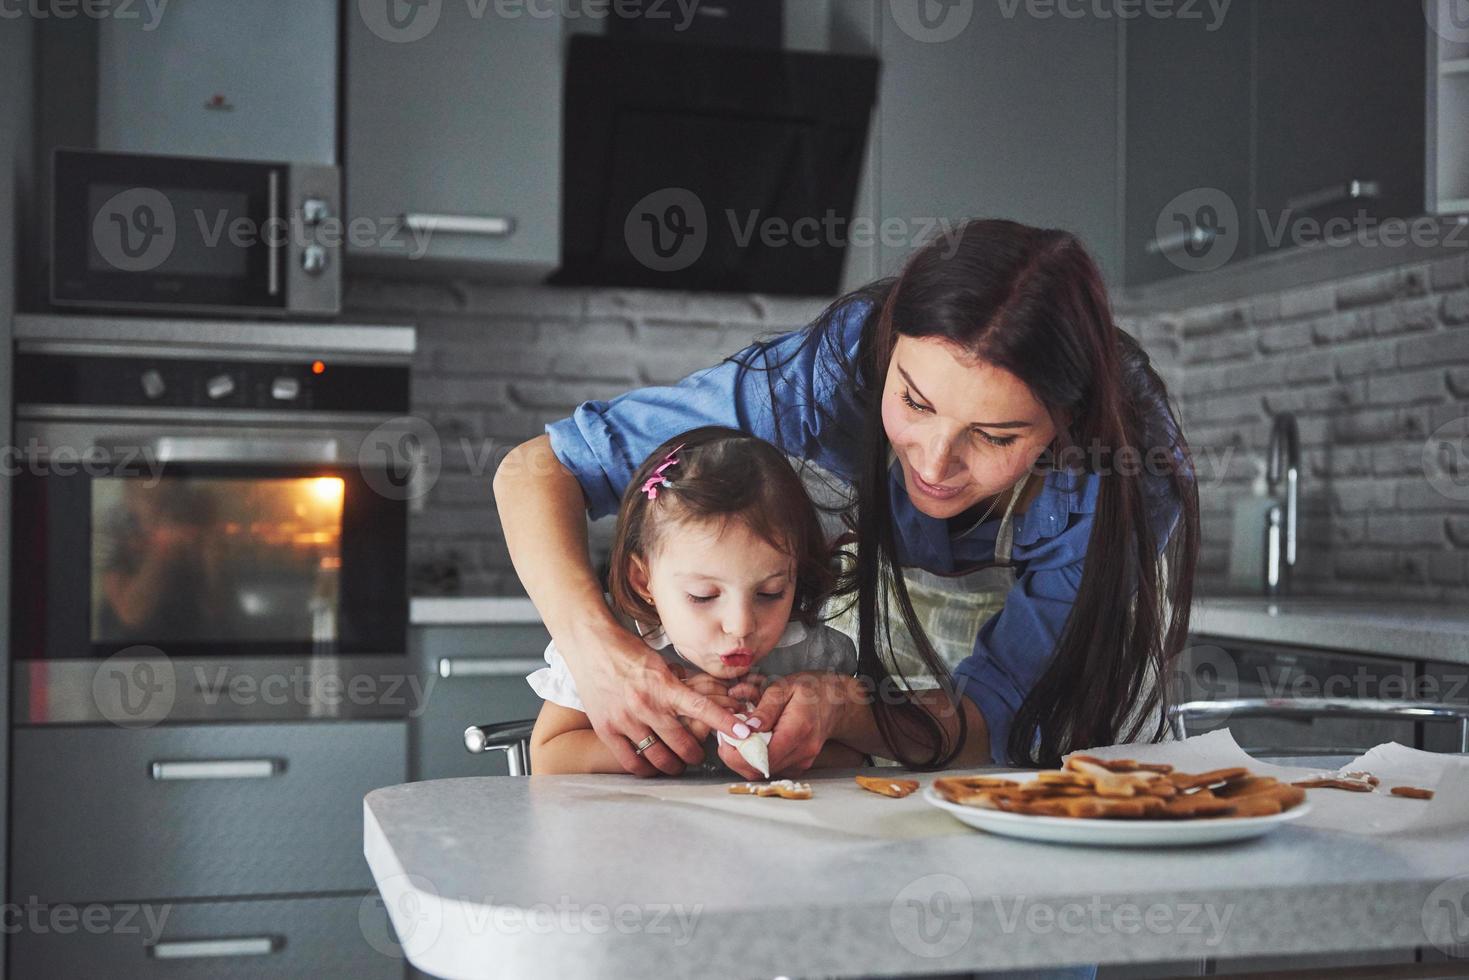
column 215, row 513
column 182, row 235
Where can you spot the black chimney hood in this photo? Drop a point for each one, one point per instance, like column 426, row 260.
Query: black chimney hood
column 702, row 167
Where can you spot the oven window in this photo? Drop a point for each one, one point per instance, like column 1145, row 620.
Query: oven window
column 195, row 559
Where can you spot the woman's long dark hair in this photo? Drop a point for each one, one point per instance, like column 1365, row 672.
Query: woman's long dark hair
column 1032, row 302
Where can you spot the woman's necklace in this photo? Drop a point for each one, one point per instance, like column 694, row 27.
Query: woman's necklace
column 986, row 516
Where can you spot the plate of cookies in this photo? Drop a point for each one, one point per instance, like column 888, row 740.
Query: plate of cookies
column 1119, row 802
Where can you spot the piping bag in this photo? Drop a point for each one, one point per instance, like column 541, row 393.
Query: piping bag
column 756, row 749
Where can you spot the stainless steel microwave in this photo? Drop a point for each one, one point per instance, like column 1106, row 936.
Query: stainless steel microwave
column 140, row 232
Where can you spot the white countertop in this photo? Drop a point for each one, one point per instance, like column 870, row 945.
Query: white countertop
column 587, row 876
column 1421, row 631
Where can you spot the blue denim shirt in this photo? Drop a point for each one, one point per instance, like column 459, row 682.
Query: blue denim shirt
column 603, row 443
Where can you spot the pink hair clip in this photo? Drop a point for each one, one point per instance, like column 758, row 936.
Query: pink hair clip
column 651, row 485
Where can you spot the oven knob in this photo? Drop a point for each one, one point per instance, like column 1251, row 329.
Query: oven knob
column 314, row 211
column 313, row 260
column 153, row 386
column 285, row 389
column 220, row 386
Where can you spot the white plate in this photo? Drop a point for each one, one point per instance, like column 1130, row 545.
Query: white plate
column 1117, row 833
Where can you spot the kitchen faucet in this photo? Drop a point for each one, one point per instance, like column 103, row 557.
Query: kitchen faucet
column 1280, row 527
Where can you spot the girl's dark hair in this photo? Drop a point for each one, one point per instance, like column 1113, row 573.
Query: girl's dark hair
column 1032, row 302
column 721, row 475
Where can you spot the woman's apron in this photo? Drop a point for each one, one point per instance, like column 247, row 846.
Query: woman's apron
column 951, row 607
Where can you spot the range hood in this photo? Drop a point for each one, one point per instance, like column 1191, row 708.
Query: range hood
column 700, row 167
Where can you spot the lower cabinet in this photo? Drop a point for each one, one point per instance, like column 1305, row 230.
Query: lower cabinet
column 473, row 675
column 1216, row 669
column 292, row 939
column 220, row 851
column 101, row 814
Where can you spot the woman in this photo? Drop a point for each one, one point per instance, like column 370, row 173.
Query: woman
column 1011, row 451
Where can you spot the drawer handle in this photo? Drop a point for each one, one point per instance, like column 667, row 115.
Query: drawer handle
column 1180, row 239
column 217, row 769
column 196, row 949
column 1352, row 190
column 461, row 224
column 487, row 667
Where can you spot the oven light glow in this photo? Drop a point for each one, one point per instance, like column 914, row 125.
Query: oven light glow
column 329, row 489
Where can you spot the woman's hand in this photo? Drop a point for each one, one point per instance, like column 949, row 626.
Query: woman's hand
column 716, row 690
column 803, row 711
column 630, row 693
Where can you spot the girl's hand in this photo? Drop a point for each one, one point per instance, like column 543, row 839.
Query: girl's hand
column 803, row 711
column 630, row 693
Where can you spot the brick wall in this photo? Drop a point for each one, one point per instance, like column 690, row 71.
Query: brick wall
column 1375, row 367
column 495, row 363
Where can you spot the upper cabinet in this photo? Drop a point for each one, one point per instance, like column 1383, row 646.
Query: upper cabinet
column 453, row 134
column 1187, row 170
column 1340, row 114
column 1287, row 121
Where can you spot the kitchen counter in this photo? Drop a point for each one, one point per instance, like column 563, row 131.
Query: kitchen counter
column 1420, row 631
column 588, row 876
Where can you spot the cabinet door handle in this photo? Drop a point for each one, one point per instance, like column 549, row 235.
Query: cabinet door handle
column 1172, row 243
column 191, row 949
column 488, row 666
column 216, row 769
column 1352, row 190
column 272, row 245
column 491, row 226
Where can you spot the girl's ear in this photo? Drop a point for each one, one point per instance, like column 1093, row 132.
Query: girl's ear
column 637, row 577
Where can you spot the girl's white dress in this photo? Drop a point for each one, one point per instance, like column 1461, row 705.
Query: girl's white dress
column 799, row 648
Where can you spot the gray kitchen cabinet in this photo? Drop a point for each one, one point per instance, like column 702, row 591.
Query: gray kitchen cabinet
column 185, row 84
column 485, row 666
column 1188, row 128
column 954, row 139
column 453, row 135
column 102, row 814
column 1219, row 669
column 1448, row 683
column 1341, row 86
column 293, row 939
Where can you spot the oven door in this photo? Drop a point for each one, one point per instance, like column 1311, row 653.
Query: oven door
column 215, row 554
column 205, row 542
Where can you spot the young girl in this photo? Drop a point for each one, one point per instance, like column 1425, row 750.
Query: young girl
column 720, row 564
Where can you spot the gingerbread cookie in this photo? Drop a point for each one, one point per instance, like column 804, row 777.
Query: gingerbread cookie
column 786, row 789
column 896, row 788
